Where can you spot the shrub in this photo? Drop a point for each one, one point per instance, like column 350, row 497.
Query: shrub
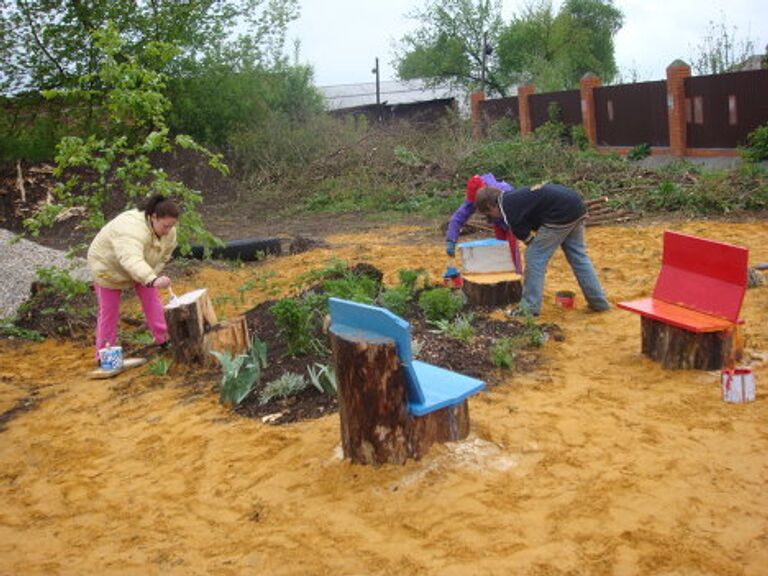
column 395, row 300
column 240, row 374
column 639, row 152
column 440, row 304
column 756, row 149
column 503, row 353
column 460, row 329
column 288, row 385
column 295, row 321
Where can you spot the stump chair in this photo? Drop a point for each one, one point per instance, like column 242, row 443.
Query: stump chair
column 391, row 406
column 692, row 319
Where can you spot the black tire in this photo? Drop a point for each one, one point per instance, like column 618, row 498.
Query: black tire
column 247, row 250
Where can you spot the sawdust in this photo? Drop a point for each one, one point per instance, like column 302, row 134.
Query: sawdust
column 599, row 463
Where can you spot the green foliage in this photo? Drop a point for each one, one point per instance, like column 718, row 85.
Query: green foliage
column 60, row 281
column 396, row 300
column 407, row 157
column 440, row 304
column 534, row 335
column 408, row 279
column 11, row 331
column 553, row 51
column 159, row 367
column 288, row 385
column 756, row 149
column 503, row 353
column 323, row 378
column 239, row 374
column 639, row 152
column 460, row 328
column 119, row 163
column 357, row 287
column 296, row 322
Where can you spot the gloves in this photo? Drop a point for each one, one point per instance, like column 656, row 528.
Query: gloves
column 450, row 248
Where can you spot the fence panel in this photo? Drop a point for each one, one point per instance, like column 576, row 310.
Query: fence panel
column 491, row 111
column 569, row 103
column 632, row 114
column 722, row 109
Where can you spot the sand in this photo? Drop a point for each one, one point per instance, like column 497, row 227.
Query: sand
column 598, row 463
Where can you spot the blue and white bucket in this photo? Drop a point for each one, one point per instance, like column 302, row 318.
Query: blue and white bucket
column 738, row 385
column 111, row 358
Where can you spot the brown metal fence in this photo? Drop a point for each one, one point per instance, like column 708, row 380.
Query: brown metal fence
column 491, row 111
column 722, row 109
column 568, row 107
column 632, row 114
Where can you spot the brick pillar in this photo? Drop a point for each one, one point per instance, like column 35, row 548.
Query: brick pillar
column 677, row 72
column 477, row 119
column 526, row 122
column 588, row 119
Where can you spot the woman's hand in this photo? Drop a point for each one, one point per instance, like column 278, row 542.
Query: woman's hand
column 161, row 282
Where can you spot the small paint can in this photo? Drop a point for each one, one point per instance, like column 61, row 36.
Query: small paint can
column 565, row 298
column 738, row 385
column 111, row 358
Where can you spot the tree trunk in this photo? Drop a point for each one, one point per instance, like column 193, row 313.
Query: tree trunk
column 189, row 317
column 492, row 290
column 228, row 336
column 376, row 426
column 677, row 348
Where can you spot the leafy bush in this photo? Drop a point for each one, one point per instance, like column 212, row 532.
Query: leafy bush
column 639, row 152
column 295, row 321
column 357, row 287
column 503, row 353
column 756, row 149
column 288, row 385
column 440, row 304
column 240, row 374
column 323, row 378
column 395, row 300
column 460, row 329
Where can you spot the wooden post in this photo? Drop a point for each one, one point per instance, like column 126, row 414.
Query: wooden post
column 677, row 348
column 376, row 426
column 492, row 290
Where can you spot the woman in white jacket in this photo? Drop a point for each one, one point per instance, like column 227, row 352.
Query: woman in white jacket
column 131, row 251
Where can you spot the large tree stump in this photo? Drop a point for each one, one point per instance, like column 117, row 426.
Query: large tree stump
column 677, row 348
column 492, row 290
column 376, row 426
column 194, row 330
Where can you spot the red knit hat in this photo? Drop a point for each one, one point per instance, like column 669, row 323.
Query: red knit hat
column 473, row 185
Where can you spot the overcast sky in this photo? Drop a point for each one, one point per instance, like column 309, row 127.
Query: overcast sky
column 342, row 38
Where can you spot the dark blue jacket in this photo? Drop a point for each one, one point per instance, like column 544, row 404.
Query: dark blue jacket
column 526, row 209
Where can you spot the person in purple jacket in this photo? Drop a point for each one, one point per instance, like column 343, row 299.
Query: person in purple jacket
column 500, row 229
column 545, row 217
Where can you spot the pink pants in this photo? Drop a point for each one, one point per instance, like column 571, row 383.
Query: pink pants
column 109, row 314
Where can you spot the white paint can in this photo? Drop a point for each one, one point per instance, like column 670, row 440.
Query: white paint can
column 738, row 385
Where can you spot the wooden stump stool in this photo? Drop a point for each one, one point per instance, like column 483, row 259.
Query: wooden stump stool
column 495, row 290
column 376, row 426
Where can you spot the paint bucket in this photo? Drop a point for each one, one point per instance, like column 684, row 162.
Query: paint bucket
column 452, row 277
column 565, row 298
column 111, row 358
column 738, row 385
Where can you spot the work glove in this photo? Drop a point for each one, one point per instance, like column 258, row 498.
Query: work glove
column 450, row 248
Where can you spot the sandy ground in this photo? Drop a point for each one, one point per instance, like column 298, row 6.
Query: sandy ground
column 600, row 463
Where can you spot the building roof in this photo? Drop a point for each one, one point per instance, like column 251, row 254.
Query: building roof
column 390, row 92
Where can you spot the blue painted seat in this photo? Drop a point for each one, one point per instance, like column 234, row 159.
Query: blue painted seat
column 430, row 387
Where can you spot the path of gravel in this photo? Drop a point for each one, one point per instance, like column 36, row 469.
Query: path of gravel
column 19, row 262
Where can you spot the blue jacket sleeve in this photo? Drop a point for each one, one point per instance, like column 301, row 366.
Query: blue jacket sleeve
column 458, row 220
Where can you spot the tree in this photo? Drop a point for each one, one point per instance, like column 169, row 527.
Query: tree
column 451, row 44
column 720, row 50
column 49, row 43
column 554, row 51
column 95, row 170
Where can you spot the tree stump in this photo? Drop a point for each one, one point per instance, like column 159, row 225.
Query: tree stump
column 492, row 290
column 376, row 426
column 677, row 348
column 228, row 336
column 194, row 330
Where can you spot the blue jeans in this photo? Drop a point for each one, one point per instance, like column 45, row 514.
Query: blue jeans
column 541, row 249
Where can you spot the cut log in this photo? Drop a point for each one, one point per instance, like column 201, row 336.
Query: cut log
column 189, row 317
column 376, row 426
column 492, row 290
column 677, row 348
column 228, row 336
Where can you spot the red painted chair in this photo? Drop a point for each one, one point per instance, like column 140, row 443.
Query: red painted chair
column 699, row 290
